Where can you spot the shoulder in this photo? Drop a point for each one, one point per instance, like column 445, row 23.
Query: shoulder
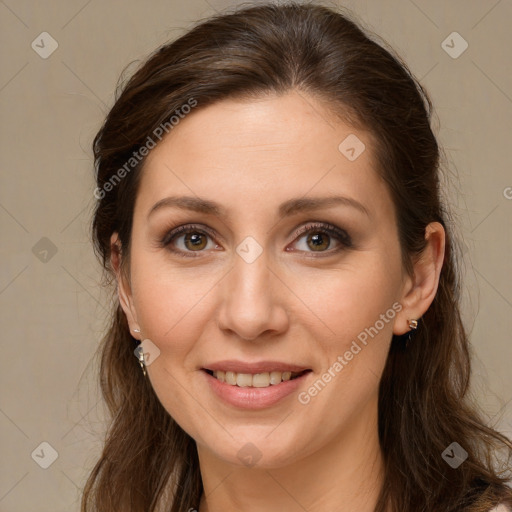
column 500, row 508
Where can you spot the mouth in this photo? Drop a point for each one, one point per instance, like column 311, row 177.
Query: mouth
column 254, row 380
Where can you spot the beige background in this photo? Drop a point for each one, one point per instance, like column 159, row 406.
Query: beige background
column 52, row 309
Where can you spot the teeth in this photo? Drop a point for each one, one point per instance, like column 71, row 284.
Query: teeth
column 243, row 380
column 258, row 380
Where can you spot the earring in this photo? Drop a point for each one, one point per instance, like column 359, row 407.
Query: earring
column 413, row 325
column 139, row 352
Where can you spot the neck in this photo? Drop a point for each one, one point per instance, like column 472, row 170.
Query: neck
column 346, row 474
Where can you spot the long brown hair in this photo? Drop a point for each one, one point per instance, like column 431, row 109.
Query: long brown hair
column 423, row 401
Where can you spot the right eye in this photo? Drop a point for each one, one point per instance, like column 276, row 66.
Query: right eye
column 187, row 239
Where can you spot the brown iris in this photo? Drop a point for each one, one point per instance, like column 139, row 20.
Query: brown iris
column 195, row 240
column 320, row 240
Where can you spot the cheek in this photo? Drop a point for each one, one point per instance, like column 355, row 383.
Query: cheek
column 357, row 312
column 172, row 307
column 345, row 301
column 354, row 311
column 173, row 304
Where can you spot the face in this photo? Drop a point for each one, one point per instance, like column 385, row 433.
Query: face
column 268, row 279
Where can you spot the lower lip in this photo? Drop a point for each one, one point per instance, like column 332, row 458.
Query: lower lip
column 253, row 398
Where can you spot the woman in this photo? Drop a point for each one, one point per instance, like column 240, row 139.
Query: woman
column 269, row 205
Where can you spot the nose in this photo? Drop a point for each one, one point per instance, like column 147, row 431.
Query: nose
column 253, row 301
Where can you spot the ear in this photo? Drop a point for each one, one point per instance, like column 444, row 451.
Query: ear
column 123, row 284
column 420, row 289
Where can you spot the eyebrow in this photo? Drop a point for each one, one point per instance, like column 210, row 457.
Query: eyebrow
column 290, row 207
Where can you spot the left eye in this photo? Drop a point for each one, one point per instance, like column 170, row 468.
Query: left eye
column 185, row 240
column 319, row 237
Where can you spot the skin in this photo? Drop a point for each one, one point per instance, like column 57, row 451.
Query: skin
column 250, row 156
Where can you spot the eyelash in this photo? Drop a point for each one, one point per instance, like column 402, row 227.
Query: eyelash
column 320, row 227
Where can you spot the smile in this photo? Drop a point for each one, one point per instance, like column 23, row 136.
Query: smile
column 254, row 390
column 256, row 380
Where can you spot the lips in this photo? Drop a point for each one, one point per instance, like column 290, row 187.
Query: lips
column 255, row 367
column 254, row 385
column 254, row 391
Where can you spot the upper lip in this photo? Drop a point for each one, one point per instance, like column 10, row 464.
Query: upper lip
column 256, row 367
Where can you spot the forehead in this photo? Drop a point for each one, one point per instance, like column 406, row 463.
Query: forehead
column 262, row 151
